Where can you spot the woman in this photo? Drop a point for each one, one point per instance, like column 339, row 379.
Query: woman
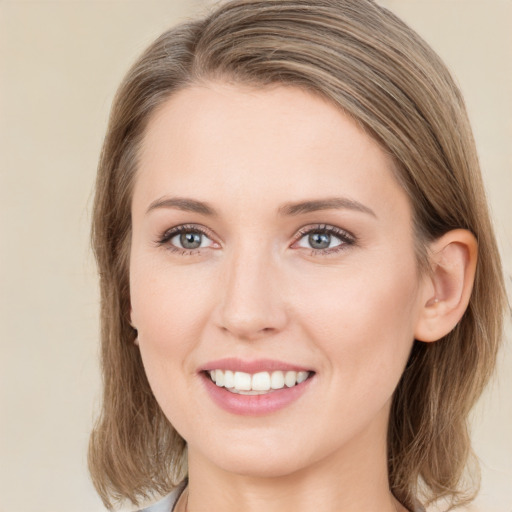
column 301, row 292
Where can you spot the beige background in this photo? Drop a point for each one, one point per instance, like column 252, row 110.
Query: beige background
column 60, row 62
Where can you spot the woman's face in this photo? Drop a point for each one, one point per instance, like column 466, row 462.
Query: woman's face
column 271, row 244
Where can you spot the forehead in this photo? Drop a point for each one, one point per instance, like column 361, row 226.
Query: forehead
column 238, row 142
column 274, row 116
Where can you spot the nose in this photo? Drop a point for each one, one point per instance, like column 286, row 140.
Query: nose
column 251, row 304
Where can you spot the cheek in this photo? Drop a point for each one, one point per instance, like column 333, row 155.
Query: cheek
column 363, row 320
column 168, row 303
column 168, row 308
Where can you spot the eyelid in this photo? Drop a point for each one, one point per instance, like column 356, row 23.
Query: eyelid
column 346, row 237
column 168, row 234
column 326, row 228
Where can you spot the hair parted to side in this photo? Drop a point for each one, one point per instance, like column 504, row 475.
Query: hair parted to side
column 366, row 61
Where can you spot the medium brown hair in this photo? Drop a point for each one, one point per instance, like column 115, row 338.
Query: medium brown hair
column 377, row 70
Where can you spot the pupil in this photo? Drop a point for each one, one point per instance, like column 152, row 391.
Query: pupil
column 190, row 240
column 320, row 240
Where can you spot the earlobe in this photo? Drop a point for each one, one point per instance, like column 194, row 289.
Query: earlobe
column 453, row 259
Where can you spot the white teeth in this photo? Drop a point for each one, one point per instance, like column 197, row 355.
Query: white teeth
column 219, row 378
column 261, row 381
column 277, row 380
column 302, row 376
column 242, row 381
column 229, row 379
column 258, row 383
column 290, row 379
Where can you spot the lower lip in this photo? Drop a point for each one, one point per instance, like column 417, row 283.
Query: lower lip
column 255, row 405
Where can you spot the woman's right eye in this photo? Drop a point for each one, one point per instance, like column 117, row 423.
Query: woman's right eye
column 190, row 240
column 185, row 239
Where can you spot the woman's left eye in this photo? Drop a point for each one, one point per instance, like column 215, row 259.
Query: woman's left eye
column 324, row 239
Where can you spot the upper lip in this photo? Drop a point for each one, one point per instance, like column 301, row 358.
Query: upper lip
column 251, row 366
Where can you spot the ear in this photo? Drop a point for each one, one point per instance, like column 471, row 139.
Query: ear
column 447, row 289
column 132, row 324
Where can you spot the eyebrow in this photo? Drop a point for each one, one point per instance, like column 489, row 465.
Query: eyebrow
column 290, row 209
column 183, row 203
column 332, row 203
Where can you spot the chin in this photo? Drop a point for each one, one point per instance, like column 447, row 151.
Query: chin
column 260, row 466
column 264, row 458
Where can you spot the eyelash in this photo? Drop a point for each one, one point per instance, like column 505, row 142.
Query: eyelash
column 346, row 238
column 178, row 230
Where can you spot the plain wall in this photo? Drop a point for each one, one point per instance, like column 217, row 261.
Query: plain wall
column 60, row 63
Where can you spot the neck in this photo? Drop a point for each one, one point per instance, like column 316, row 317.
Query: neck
column 353, row 479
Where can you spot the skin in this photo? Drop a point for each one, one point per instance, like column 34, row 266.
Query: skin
column 257, row 290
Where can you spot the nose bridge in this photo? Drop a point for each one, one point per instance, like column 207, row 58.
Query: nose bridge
column 251, row 298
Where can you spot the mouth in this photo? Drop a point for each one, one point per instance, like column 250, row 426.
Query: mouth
column 255, row 387
column 260, row 383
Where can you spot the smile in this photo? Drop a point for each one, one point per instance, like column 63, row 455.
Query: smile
column 258, row 383
column 256, row 387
